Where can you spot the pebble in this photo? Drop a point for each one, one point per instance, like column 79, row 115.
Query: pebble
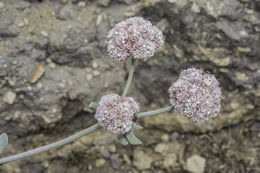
column 244, row 49
column 39, row 85
column 1, row 4
column 160, row 148
column 141, row 160
column 100, row 162
column 89, row 77
column 127, row 159
column 169, row 160
column 37, row 74
column 94, row 65
column 89, row 167
column 96, row 73
column 112, row 148
column 241, row 76
column 196, row 164
column 88, row 70
column 52, row 65
column 104, row 152
column 165, row 138
column 70, row 83
column 99, row 20
column 9, row 97
column 12, row 82
column 104, row 3
column 195, row 8
column 82, row 4
column 20, row 23
column 44, row 33
column 115, row 161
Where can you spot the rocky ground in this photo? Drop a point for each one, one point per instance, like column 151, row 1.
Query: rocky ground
column 53, row 63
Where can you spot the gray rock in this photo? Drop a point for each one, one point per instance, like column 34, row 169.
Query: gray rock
column 104, row 3
column 7, row 26
column 21, row 5
column 115, row 161
column 170, row 160
column 9, row 97
column 100, row 162
column 221, row 8
column 233, row 30
column 67, row 13
column 196, row 164
column 72, row 45
column 160, row 148
column 104, row 152
column 141, row 160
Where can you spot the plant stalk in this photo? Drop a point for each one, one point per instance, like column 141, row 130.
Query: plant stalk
column 51, row 146
column 130, row 77
column 154, row 112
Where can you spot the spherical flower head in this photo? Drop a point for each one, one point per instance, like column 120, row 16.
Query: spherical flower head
column 116, row 113
column 134, row 37
column 196, row 94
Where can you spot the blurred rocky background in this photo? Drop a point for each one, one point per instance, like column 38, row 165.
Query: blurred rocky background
column 53, row 63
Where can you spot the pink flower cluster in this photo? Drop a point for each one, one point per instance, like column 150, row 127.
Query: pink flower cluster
column 116, row 113
column 196, row 94
column 134, row 37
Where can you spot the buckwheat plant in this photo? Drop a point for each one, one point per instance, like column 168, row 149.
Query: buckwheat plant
column 196, row 94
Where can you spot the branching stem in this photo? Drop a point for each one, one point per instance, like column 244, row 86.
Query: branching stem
column 50, row 146
column 130, row 77
column 87, row 130
column 154, row 112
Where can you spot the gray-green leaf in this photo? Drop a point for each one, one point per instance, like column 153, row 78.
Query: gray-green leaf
column 137, row 126
column 3, row 142
column 93, row 105
column 123, row 140
column 132, row 139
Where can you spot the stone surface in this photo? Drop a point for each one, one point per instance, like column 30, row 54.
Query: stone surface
column 9, row 97
column 141, row 160
column 100, row 162
column 170, row 161
column 115, row 161
column 7, row 26
column 221, row 36
column 160, row 148
column 67, row 13
column 196, row 164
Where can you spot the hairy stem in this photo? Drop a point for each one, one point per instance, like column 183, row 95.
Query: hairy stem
column 130, row 77
column 154, row 112
column 75, row 137
column 53, row 145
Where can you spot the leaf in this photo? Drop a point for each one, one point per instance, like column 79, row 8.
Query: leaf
column 3, row 142
column 123, row 140
column 137, row 126
column 132, row 139
column 93, row 105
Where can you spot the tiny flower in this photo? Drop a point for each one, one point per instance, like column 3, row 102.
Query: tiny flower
column 116, row 113
column 134, row 37
column 196, row 94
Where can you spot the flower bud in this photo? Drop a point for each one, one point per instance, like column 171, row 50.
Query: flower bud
column 116, row 113
column 196, row 94
column 134, row 37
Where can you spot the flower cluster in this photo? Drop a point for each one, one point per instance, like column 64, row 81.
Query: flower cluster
column 196, row 94
column 134, row 37
column 116, row 113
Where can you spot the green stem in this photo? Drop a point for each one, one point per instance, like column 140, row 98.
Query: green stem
column 74, row 137
column 50, row 146
column 130, row 77
column 154, row 112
